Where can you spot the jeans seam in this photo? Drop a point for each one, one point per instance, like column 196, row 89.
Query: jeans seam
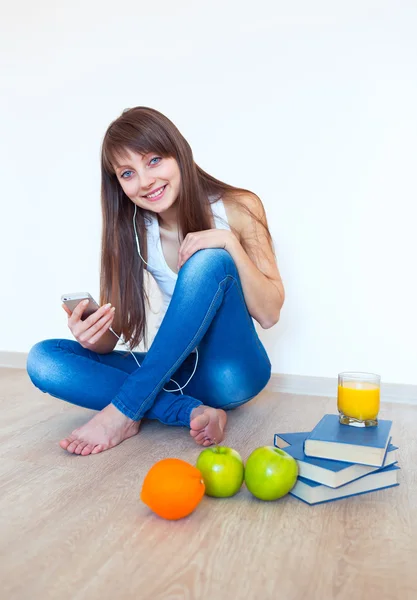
column 249, row 318
column 237, row 403
column 189, row 410
column 189, row 347
column 66, row 350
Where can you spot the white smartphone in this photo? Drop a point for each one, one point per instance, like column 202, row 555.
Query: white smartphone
column 71, row 300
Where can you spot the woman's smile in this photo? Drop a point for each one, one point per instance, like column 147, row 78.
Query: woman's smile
column 156, row 194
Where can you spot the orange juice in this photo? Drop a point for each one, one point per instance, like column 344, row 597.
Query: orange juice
column 359, row 400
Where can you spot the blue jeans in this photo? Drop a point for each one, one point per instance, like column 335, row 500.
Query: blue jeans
column 208, row 311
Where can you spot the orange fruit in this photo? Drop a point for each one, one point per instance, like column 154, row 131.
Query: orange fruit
column 172, row 488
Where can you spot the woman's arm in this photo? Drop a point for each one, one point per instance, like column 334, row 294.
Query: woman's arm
column 250, row 248
column 105, row 344
column 256, row 263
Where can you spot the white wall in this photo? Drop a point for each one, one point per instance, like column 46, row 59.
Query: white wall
column 311, row 105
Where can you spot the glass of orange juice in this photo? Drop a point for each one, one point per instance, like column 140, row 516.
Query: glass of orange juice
column 358, row 398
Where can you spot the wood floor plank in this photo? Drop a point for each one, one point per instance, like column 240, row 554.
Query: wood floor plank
column 73, row 528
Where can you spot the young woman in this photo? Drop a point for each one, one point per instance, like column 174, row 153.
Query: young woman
column 208, row 246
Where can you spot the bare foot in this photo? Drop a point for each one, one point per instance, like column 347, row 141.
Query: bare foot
column 105, row 430
column 207, row 425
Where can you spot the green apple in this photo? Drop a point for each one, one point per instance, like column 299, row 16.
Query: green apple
column 222, row 471
column 270, row 473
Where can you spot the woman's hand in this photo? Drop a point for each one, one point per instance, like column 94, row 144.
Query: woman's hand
column 210, row 238
column 88, row 332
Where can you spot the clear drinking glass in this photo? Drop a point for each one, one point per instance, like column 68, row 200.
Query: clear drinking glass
column 358, row 398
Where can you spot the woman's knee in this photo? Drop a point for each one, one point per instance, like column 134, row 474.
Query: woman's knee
column 232, row 388
column 41, row 362
column 209, row 258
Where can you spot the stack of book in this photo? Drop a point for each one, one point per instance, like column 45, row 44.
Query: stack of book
column 336, row 461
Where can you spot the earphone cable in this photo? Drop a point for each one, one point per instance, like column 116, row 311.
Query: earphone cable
column 137, row 362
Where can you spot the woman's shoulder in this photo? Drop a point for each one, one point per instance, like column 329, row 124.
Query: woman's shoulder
column 242, row 207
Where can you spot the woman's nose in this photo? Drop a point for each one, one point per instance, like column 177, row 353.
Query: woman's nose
column 147, row 182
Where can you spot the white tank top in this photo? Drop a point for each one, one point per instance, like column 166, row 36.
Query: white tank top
column 164, row 276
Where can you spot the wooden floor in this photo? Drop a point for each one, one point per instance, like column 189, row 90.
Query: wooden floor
column 74, row 528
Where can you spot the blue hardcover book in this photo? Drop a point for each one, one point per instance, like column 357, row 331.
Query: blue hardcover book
column 332, row 473
column 315, row 493
column 361, row 445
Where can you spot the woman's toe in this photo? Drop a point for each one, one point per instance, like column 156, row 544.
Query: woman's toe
column 66, row 442
column 71, row 447
column 87, row 450
column 80, row 447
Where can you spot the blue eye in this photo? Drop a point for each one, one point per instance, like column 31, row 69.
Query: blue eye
column 155, row 158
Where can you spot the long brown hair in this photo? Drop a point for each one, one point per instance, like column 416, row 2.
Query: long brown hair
column 143, row 130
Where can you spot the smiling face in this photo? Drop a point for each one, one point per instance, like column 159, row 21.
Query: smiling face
column 150, row 181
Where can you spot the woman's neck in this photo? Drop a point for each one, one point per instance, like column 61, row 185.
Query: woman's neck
column 169, row 219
